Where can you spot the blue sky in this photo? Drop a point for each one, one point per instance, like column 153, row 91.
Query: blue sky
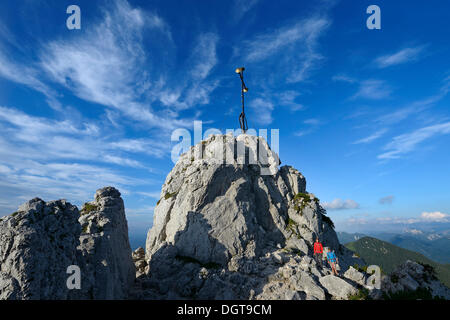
column 364, row 114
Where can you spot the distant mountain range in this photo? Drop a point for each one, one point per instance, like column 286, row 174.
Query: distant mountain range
column 389, row 256
column 433, row 245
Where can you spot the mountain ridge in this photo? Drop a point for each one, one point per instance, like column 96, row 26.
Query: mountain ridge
column 389, row 256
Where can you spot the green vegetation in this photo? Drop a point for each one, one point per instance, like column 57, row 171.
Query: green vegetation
column 169, row 195
column 14, row 213
column 301, row 200
column 389, row 256
column 363, row 294
column 302, row 195
column 360, row 268
column 84, row 229
column 208, row 265
column 292, row 226
column 419, row 294
column 87, row 208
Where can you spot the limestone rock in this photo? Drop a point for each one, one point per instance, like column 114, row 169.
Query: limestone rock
column 252, row 229
column 105, row 248
column 337, row 287
column 355, row 275
column 42, row 239
column 411, row 276
column 38, row 243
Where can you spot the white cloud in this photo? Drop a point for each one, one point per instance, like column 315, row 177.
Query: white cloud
column 293, row 45
column 197, row 87
column 241, row 7
column 53, row 159
column 413, row 231
column 262, row 110
column 406, row 143
column 415, row 107
column 109, row 65
column 204, row 56
column 339, row 204
column 287, row 98
column 343, row 78
column 400, row 57
column 106, row 64
column 312, row 121
column 302, row 133
column 372, row 137
column 373, row 89
column 435, row 216
column 313, row 124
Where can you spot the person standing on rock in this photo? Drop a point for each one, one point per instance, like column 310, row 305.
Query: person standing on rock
column 318, row 252
column 332, row 260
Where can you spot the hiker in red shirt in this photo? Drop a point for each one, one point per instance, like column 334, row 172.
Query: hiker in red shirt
column 318, row 252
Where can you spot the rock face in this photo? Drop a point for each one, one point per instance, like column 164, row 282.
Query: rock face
column 42, row 239
column 412, row 276
column 233, row 227
column 105, row 247
column 37, row 244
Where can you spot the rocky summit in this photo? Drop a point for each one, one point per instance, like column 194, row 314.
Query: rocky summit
column 230, row 224
column 239, row 228
column 42, row 239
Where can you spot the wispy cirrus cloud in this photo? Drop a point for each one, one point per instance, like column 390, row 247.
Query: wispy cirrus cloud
column 403, row 56
column 343, row 78
column 373, row 89
column 408, row 142
column 297, row 41
column 374, row 136
column 60, row 158
column 105, row 65
column 287, row 98
column 196, row 88
column 111, row 64
column 241, row 7
column 311, row 126
column 415, row 107
column 262, row 110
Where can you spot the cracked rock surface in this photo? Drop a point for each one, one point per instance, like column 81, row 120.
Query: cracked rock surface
column 42, row 239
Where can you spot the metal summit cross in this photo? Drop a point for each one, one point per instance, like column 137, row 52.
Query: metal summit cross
column 242, row 119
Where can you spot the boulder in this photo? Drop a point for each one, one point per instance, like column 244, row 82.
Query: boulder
column 355, row 275
column 337, row 287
